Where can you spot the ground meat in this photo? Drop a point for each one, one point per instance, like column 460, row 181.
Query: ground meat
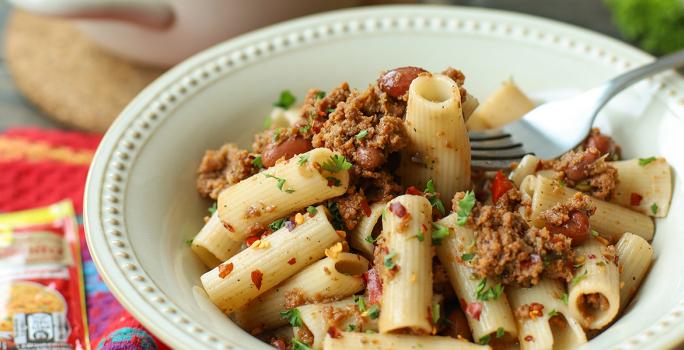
column 586, row 171
column 222, row 168
column 304, row 335
column 604, row 143
column 294, row 298
column 457, row 76
column 571, row 218
column 350, row 207
column 508, row 249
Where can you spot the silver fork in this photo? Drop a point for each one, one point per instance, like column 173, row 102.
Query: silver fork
column 556, row 127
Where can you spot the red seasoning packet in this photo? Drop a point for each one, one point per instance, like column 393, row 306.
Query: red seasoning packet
column 42, row 305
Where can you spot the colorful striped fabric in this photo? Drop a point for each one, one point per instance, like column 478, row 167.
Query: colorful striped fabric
column 40, row 167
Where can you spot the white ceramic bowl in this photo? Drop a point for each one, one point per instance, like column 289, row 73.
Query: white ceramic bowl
column 141, row 202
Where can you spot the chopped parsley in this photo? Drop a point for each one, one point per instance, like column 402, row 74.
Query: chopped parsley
column 299, row 345
column 465, row 206
column 577, row 279
column 360, row 302
column 594, row 233
column 330, row 110
column 654, row 208
column 312, row 210
column 467, row 256
column 351, row 327
column 361, row 134
column 320, row 95
column 302, row 159
column 280, row 183
column 304, row 129
column 439, row 232
column 370, row 239
column 336, row 164
column 492, row 293
column 564, row 298
column 257, row 162
column 435, row 313
column 420, row 236
column 188, row 242
column 373, row 312
column 645, row 161
column 286, row 99
column 337, row 220
column 293, row 317
column 553, row 312
column 500, row 332
column 213, row 208
column 276, row 225
column 388, row 261
column 484, row 340
column 433, row 198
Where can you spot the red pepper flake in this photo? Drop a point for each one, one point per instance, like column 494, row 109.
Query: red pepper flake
column 616, row 260
column 256, row 278
column 225, row 270
column 536, row 310
column 292, row 261
column 374, row 285
column 398, row 209
column 414, row 191
column 251, row 239
column 334, row 332
column 635, row 198
column 423, row 228
column 529, row 338
column 591, row 256
column 500, row 185
column 366, row 209
column 229, row 227
column 474, row 310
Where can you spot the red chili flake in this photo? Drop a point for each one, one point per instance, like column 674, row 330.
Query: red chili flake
column 256, row 278
column 616, row 259
column 374, row 286
column 414, row 191
column 229, row 227
column 292, row 261
column 334, row 332
column 225, row 269
column 398, row 209
column 635, row 198
column 591, row 256
column 251, row 239
column 423, row 228
column 474, row 310
column 529, row 338
column 366, row 209
column 536, row 310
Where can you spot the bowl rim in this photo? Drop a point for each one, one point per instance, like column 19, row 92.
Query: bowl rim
column 106, row 230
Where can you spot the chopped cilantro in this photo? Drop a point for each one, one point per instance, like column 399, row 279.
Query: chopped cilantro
column 564, row 298
column 654, row 208
column 213, row 208
column 492, row 293
column 337, row 220
column 336, row 164
column 500, row 332
column 361, row 134
column 553, row 312
column 351, row 327
column 439, row 232
column 188, row 242
column 293, row 317
column 645, row 161
column 484, row 340
column 420, row 236
column 299, row 345
column 320, row 95
column 389, row 263
column 430, row 187
column 435, row 313
column 280, row 183
column 302, row 159
column 594, row 233
column 312, row 210
column 360, row 302
column 370, row 239
column 465, row 206
column 276, row 225
column 286, row 99
column 257, row 162
column 373, row 312
column 577, row 279
column 467, row 256
column 432, row 197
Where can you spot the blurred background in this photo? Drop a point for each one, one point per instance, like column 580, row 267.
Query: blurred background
column 52, row 74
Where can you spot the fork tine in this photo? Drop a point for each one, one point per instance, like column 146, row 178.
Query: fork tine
column 496, row 146
column 492, row 135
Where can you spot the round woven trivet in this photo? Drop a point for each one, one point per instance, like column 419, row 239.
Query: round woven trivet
column 66, row 75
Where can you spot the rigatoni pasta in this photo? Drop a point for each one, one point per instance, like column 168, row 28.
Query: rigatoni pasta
column 213, row 245
column 374, row 341
column 507, row 104
column 644, row 185
column 362, row 236
column 634, row 257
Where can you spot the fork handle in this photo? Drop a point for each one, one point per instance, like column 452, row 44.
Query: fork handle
column 623, row 81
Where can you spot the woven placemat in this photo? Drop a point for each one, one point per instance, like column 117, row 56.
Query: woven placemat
column 66, row 75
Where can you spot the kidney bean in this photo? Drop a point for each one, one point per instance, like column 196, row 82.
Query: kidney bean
column 369, row 158
column 578, row 171
column 286, row 149
column 576, row 228
column 396, row 81
column 602, row 143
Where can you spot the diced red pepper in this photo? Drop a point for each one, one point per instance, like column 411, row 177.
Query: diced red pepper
column 251, row 239
column 414, row 191
column 373, row 285
column 635, row 199
column 500, row 185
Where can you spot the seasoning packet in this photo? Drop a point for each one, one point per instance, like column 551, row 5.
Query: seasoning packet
column 42, row 303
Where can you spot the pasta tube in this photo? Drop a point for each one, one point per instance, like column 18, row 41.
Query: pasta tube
column 374, row 341
column 344, row 315
column 528, row 166
column 213, row 245
column 594, row 292
column 505, row 105
column 537, row 329
column 334, row 277
column 248, row 206
column 358, row 238
column 268, row 262
column 610, row 220
column 407, row 265
column 494, row 313
column 645, row 188
column 634, row 257
column 439, row 148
